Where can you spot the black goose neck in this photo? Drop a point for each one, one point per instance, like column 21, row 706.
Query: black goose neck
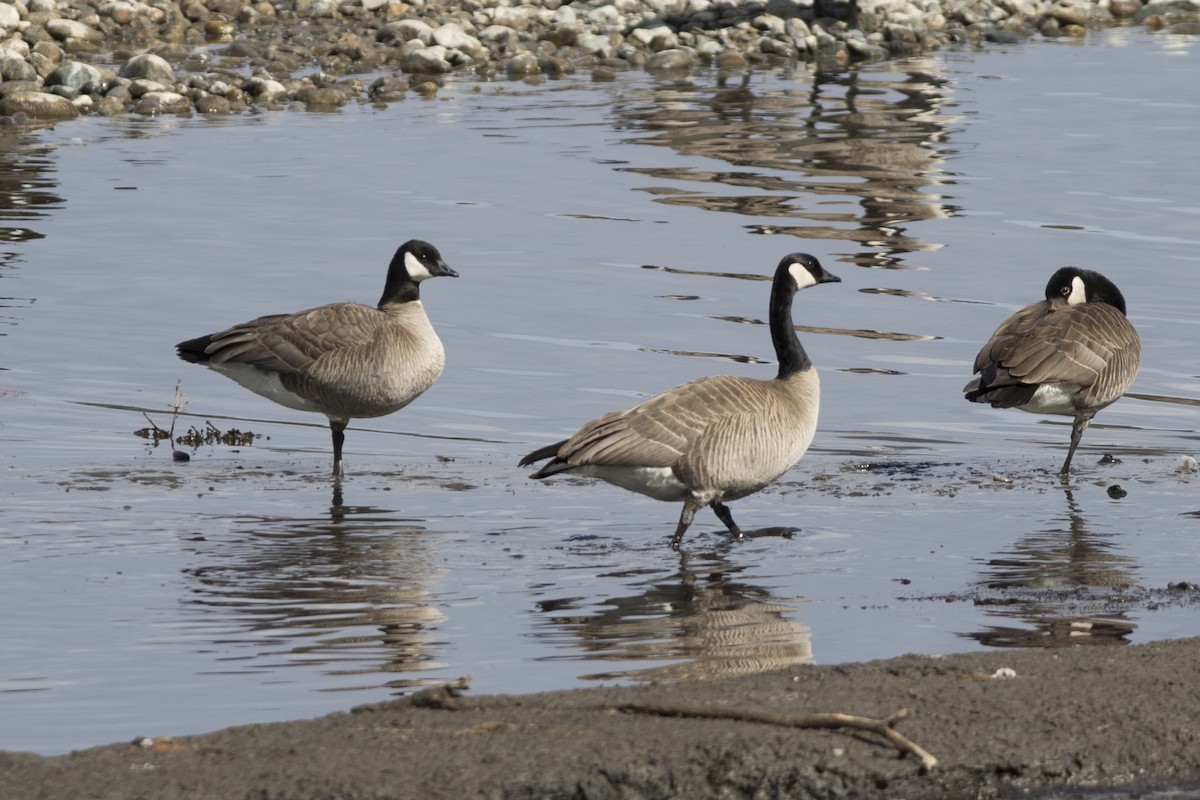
column 788, row 350
column 400, row 287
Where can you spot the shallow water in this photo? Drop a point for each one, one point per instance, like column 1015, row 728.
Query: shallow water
column 612, row 241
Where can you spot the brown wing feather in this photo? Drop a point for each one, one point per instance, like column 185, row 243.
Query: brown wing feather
column 1044, row 343
column 660, row 430
column 288, row 343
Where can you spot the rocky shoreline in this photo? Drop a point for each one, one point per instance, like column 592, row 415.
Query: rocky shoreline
column 63, row 58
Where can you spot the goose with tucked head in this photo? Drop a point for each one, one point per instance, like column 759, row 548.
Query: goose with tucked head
column 1073, row 353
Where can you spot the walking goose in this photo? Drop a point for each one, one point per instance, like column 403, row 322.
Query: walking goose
column 343, row 360
column 714, row 439
column 1073, row 353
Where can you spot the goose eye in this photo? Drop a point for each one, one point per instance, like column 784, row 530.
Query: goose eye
column 1065, row 291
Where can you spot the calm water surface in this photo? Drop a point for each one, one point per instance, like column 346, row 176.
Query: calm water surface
column 613, row 240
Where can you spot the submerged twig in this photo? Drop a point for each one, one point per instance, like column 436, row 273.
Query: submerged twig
column 883, row 727
column 158, row 434
column 194, row 437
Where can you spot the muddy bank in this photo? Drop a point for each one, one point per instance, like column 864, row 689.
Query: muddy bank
column 999, row 724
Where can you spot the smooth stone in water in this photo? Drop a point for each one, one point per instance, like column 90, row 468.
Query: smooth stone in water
column 322, row 97
column 388, row 89
column 153, row 103
column 427, row 61
column 39, row 105
column 522, row 64
column 670, row 61
column 149, row 66
column 73, row 74
column 213, row 104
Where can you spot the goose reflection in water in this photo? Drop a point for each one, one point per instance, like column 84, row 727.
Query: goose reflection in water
column 350, row 593
column 853, row 156
column 702, row 620
column 1060, row 581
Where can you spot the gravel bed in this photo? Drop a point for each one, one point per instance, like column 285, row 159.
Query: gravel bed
column 63, row 58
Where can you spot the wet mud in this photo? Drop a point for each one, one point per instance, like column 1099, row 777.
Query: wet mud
column 1024, row 723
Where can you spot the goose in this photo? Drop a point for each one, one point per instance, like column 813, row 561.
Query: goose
column 1073, row 353
column 714, row 439
column 343, row 360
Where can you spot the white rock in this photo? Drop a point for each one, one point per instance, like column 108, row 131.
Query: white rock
column 453, row 37
column 593, row 44
column 605, row 15
column 644, row 36
column 18, row 47
column 10, row 18
column 519, row 17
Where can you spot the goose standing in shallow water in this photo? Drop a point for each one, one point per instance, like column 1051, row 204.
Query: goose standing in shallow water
column 343, row 360
column 710, row 440
column 1073, row 353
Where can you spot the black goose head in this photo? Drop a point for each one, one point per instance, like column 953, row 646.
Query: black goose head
column 1074, row 285
column 804, row 270
column 413, row 262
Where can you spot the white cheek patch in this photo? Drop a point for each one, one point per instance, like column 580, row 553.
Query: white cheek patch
column 802, row 276
column 1078, row 293
column 416, row 268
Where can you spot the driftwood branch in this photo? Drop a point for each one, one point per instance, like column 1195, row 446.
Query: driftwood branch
column 882, row 727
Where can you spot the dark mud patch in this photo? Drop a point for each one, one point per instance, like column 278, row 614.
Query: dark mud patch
column 1075, row 722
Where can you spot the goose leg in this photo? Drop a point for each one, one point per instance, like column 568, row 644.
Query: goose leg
column 690, row 506
column 1077, row 428
column 338, row 429
column 726, row 516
